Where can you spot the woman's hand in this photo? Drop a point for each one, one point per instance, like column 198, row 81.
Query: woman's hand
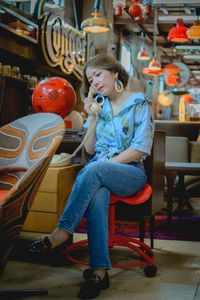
column 87, row 104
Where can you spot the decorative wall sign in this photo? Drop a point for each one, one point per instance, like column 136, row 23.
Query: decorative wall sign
column 62, row 45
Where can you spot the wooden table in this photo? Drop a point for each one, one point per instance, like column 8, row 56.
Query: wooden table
column 172, row 169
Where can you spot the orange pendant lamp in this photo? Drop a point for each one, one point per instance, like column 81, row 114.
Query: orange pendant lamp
column 178, row 34
column 187, row 98
column 194, row 32
column 172, row 79
column 172, row 69
column 154, row 64
column 143, row 54
column 154, row 68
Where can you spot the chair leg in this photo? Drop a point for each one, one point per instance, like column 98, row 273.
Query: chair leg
column 142, row 228
column 151, row 229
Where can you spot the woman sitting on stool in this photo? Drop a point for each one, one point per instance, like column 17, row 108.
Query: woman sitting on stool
column 120, row 139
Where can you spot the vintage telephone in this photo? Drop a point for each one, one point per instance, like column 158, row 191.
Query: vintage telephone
column 99, row 101
column 64, row 159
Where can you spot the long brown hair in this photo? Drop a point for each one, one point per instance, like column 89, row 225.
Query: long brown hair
column 105, row 62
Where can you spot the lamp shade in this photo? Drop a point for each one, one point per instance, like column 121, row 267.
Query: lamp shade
column 150, row 72
column 187, row 98
column 154, row 65
column 143, row 54
column 165, row 100
column 178, row 34
column 172, row 79
column 194, row 32
column 96, row 24
column 172, row 69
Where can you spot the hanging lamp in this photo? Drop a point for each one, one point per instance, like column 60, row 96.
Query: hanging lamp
column 171, row 79
column 172, row 69
column 154, row 65
column 178, row 34
column 187, row 98
column 96, row 24
column 154, row 68
column 143, row 54
column 194, row 31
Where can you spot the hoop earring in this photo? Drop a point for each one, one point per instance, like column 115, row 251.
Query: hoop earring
column 118, row 86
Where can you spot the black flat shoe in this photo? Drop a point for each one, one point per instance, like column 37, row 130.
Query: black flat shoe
column 41, row 251
column 87, row 273
column 93, row 286
column 38, row 248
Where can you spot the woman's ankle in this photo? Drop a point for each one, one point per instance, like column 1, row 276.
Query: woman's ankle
column 100, row 272
column 57, row 237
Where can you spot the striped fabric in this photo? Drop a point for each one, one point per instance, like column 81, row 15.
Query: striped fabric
column 27, row 146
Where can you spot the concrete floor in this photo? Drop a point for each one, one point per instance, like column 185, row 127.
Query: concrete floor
column 177, row 278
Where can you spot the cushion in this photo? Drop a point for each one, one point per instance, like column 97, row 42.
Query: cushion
column 194, row 151
column 176, row 149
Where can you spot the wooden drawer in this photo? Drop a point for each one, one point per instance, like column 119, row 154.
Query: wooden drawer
column 51, row 198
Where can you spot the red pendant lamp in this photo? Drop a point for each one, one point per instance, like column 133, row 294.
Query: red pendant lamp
column 178, row 34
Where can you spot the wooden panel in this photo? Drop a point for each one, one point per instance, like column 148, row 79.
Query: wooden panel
column 40, row 222
column 13, row 99
column 176, row 128
column 45, row 202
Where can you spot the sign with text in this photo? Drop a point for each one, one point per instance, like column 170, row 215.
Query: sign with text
column 62, row 45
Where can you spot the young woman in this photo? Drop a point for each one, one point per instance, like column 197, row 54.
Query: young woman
column 120, row 139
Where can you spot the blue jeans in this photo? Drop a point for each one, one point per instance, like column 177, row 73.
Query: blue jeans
column 91, row 195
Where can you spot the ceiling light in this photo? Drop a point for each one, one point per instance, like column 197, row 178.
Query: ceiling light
column 143, row 54
column 194, row 32
column 191, row 56
column 187, row 98
column 96, row 24
column 178, row 34
column 172, row 69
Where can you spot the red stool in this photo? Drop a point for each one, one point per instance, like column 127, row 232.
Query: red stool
column 137, row 246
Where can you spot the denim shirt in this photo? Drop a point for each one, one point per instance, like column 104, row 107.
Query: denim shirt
column 132, row 126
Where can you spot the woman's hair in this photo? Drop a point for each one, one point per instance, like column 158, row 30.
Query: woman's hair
column 105, row 62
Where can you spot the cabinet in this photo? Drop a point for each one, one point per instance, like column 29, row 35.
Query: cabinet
column 51, row 198
column 13, row 99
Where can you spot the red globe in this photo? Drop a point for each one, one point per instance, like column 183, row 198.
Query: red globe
column 54, row 95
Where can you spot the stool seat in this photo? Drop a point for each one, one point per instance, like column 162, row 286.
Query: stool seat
column 139, row 198
column 144, row 251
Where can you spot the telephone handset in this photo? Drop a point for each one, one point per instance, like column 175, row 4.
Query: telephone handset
column 65, row 159
column 99, row 101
